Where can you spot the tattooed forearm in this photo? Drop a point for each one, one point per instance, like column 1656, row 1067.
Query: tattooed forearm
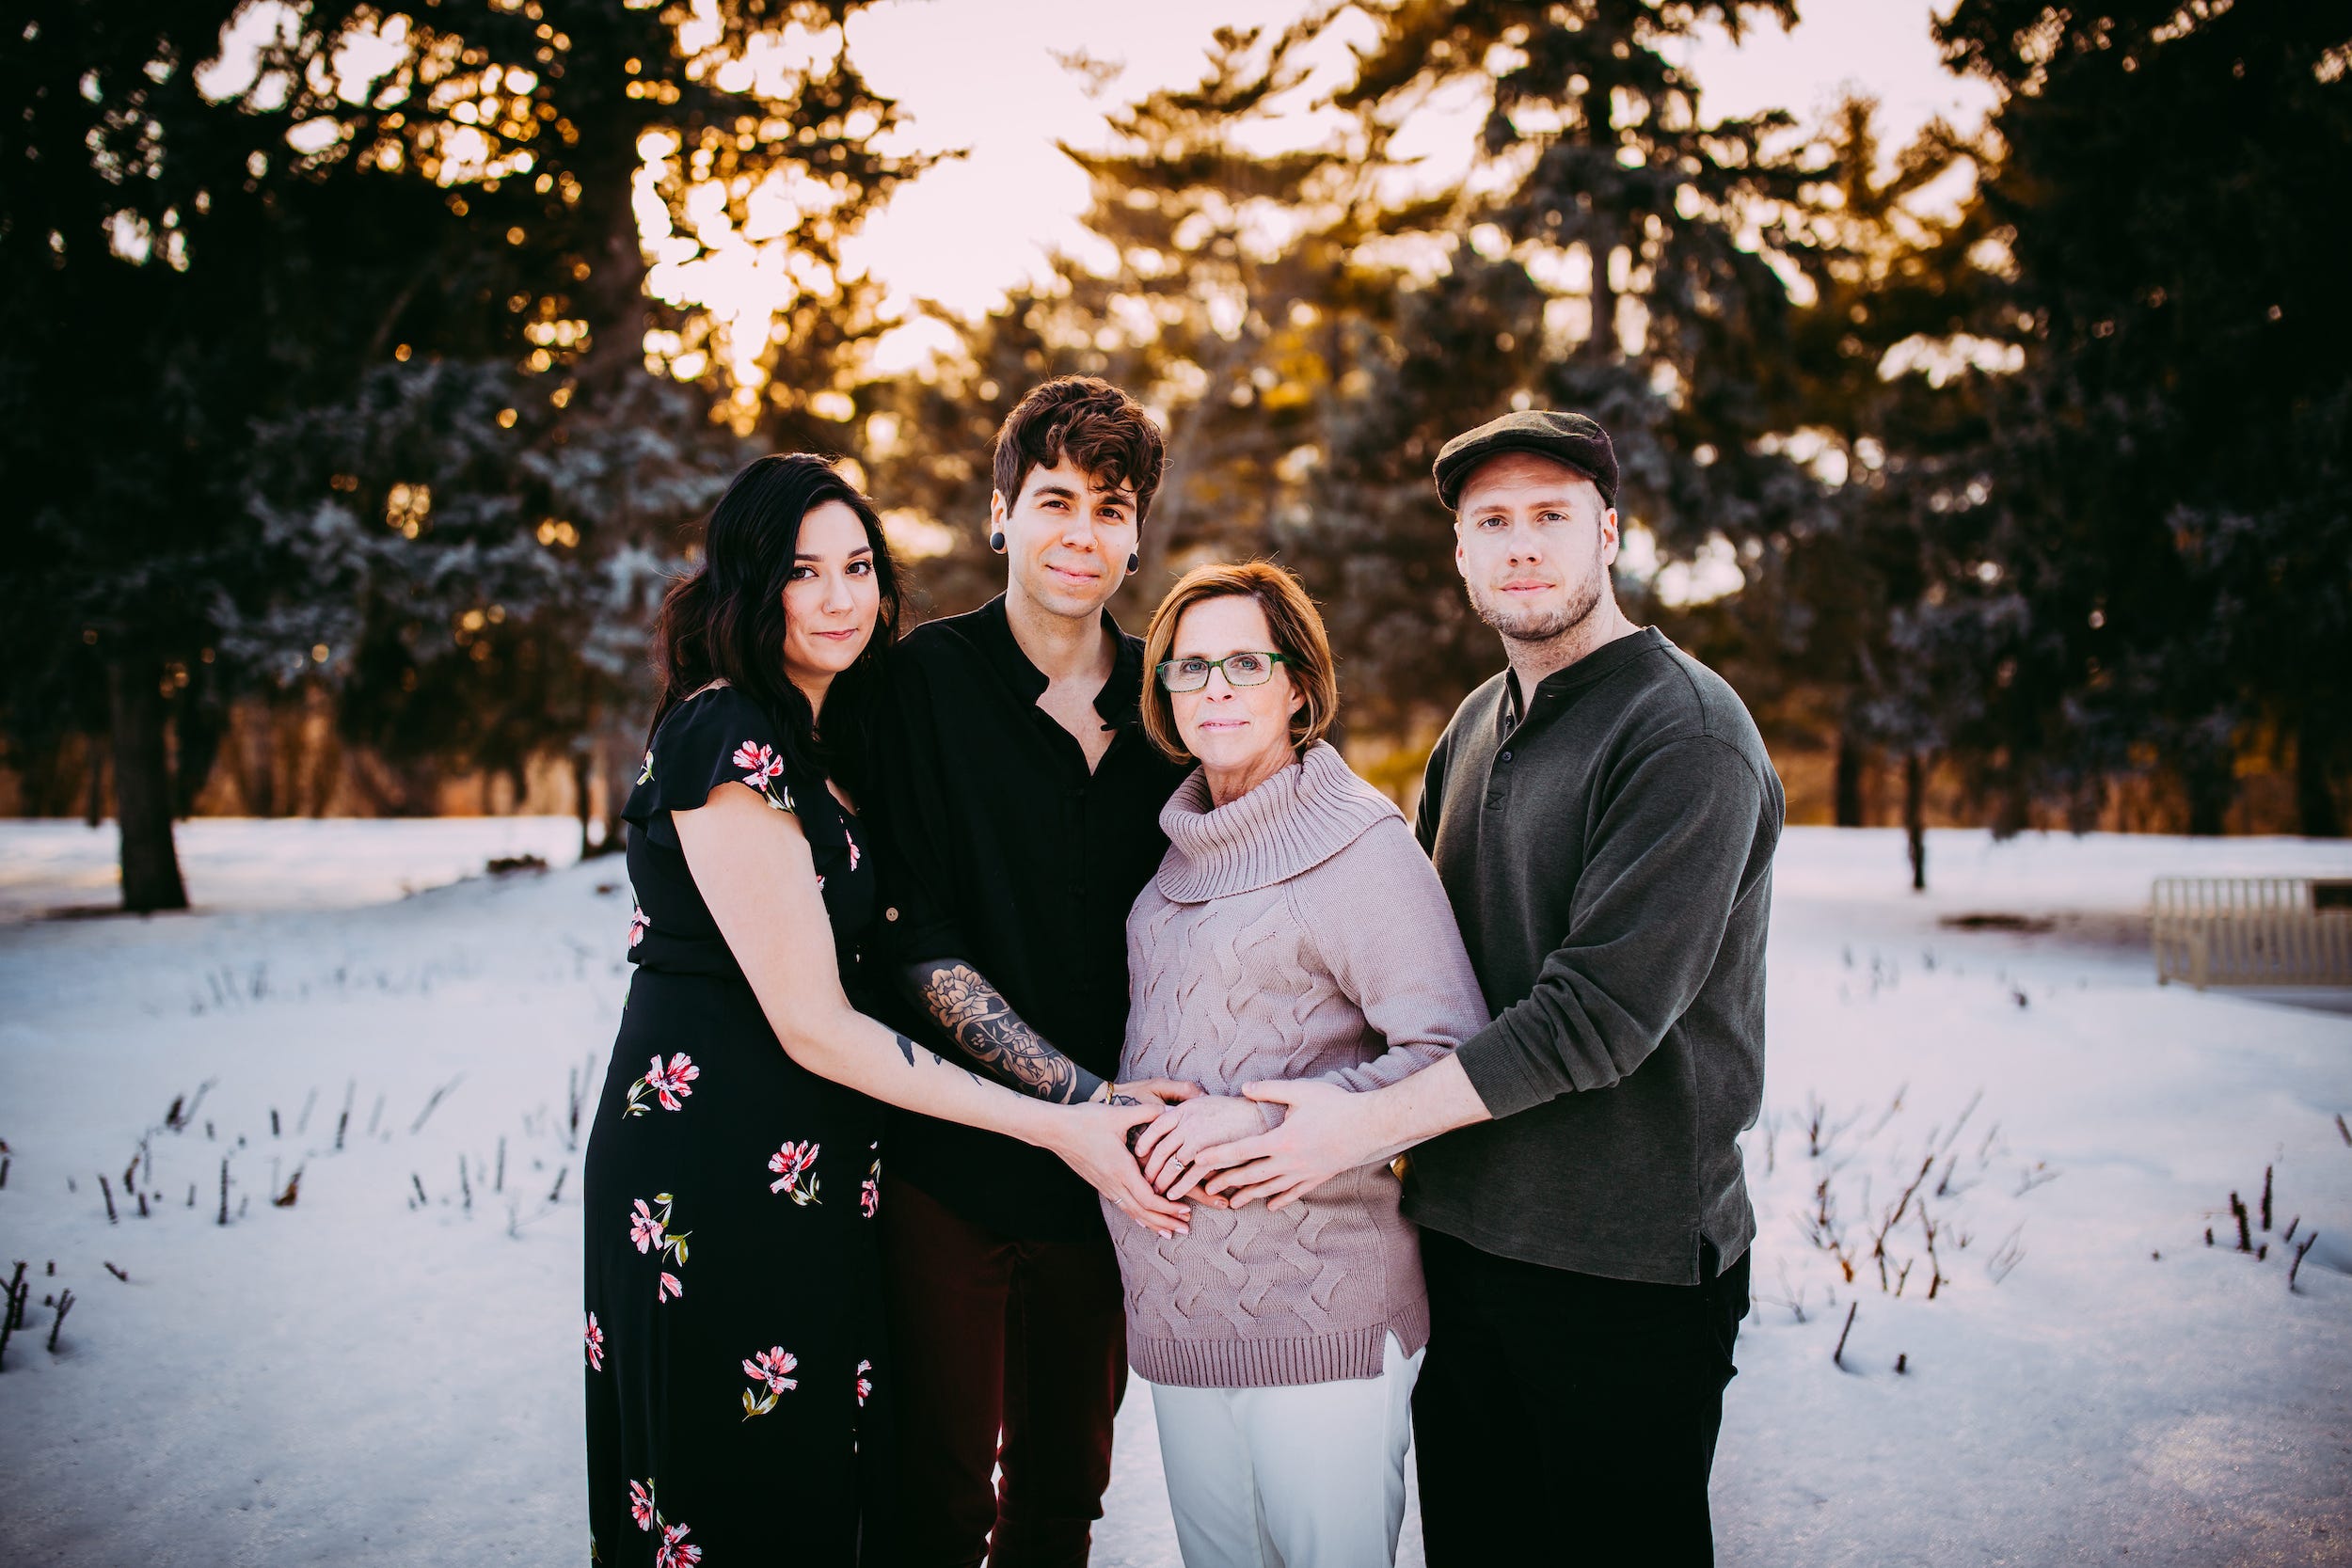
column 907, row 1048
column 984, row 1027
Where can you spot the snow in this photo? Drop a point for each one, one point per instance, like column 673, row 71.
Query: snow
column 52, row 867
column 360, row 1377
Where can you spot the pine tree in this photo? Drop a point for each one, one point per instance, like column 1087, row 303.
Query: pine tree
column 1623, row 268
column 1866, row 388
column 2161, row 589
column 220, row 270
column 1218, row 293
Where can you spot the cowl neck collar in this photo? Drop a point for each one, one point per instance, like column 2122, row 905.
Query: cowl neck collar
column 1293, row 822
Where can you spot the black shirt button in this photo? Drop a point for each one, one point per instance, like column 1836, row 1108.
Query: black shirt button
column 1506, row 756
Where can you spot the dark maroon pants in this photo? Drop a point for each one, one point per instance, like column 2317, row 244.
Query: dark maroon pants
column 1007, row 1353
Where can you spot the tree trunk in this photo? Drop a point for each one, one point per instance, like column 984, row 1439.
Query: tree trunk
column 256, row 760
column 583, row 765
column 94, row 782
column 1915, row 817
column 618, row 760
column 143, row 795
column 1848, row 785
column 200, row 728
column 2316, row 815
column 2210, row 788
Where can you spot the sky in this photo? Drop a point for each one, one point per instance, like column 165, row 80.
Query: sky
column 981, row 76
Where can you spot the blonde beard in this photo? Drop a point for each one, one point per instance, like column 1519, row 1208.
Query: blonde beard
column 1539, row 628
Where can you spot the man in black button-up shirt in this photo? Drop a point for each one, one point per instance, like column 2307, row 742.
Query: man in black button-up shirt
column 1603, row 816
column 1021, row 807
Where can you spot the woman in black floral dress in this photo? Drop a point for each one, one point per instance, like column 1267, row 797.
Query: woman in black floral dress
column 734, row 1332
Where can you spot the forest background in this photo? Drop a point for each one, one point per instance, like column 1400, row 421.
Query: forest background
column 364, row 371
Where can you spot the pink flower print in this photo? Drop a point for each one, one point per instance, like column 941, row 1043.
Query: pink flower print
column 791, row 1162
column 640, row 1505
column 761, row 768
column 864, row 1383
column 651, row 1231
column 869, row 1195
column 638, row 923
column 671, row 1085
column 671, row 1553
column 646, row 776
column 774, row 1367
column 771, row 1370
column 759, row 764
column 667, row 1085
column 852, row 838
column 596, row 1345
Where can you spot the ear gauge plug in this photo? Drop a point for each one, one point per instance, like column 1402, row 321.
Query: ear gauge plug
column 996, row 541
column 1135, row 564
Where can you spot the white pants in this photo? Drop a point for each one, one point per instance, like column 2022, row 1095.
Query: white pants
column 1304, row 1477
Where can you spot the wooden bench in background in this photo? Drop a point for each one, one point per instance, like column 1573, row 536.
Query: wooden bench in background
column 2252, row 931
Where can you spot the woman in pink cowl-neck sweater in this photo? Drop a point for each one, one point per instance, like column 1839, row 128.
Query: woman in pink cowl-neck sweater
column 1294, row 931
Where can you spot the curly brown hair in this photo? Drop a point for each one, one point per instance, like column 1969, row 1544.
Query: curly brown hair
column 1091, row 422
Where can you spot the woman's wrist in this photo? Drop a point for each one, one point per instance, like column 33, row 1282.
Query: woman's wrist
column 1039, row 1122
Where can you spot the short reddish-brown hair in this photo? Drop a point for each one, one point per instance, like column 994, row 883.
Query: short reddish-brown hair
column 1298, row 637
column 1091, row 422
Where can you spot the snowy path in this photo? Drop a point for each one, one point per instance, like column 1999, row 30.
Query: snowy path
column 361, row 1378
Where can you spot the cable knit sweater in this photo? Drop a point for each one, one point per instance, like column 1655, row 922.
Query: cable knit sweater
column 1296, row 932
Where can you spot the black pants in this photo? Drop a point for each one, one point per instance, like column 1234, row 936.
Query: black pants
column 1011, row 1355
column 1566, row 1418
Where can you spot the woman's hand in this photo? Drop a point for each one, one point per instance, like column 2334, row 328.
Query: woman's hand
column 1092, row 1139
column 1169, row 1148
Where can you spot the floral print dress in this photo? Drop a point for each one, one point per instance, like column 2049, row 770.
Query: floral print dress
column 733, row 1337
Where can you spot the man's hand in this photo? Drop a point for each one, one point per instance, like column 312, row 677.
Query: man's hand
column 1149, row 1091
column 1325, row 1131
column 1169, row 1148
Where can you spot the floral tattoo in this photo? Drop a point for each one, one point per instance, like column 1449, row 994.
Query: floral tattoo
column 984, row 1026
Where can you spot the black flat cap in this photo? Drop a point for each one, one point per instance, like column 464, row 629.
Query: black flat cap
column 1570, row 438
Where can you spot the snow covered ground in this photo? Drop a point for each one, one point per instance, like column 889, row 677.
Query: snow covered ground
column 362, row 1376
column 50, row 868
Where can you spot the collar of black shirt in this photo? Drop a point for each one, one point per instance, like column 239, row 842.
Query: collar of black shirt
column 1574, row 677
column 1121, row 697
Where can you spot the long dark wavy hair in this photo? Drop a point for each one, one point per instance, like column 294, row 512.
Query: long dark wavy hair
column 724, row 621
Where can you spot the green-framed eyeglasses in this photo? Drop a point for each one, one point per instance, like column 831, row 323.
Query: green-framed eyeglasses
column 1243, row 669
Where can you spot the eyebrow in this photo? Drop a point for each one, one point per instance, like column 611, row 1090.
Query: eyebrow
column 1124, row 495
column 861, row 550
column 1561, row 504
